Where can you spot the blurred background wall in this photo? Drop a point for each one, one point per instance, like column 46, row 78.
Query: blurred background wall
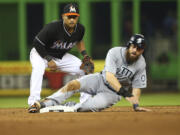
column 108, row 23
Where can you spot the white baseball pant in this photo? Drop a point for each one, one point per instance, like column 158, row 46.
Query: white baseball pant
column 69, row 64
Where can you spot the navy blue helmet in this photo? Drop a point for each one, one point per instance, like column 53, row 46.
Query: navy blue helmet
column 138, row 40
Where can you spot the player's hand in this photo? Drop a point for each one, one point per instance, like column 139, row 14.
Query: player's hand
column 141, row 109
column 52, row 65
column 133, row 100
column 87, row 65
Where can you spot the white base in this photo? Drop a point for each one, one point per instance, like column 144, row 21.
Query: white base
column 58, row 108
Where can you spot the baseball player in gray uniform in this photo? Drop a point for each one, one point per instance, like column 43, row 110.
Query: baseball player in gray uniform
column 124, row 71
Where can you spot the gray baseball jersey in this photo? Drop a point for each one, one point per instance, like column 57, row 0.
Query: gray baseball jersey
column 94, row 84
column 128, row 75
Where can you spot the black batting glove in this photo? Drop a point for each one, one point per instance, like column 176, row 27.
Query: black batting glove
column 123, row 92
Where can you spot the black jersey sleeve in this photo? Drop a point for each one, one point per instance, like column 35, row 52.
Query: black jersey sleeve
column 40, row 49
column 44, row 35
column 42, row 40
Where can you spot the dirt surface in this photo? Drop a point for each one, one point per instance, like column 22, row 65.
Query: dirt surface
column 113, row 121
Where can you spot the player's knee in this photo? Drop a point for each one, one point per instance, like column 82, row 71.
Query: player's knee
column 73, row 85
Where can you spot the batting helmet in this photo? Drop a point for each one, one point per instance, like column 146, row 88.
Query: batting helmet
column 137, row 40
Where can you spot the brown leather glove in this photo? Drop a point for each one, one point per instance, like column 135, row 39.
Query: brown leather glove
column 87, row 65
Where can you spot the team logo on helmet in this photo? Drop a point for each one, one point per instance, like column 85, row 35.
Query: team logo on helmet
column 72, row 9
column 139, row 40
column 132, row 38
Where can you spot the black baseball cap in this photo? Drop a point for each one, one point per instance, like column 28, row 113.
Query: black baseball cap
column 71, row 9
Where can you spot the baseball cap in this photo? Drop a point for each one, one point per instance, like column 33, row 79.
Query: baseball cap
column 71, row 9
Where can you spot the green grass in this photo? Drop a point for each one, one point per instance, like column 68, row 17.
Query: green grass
column 160, row 99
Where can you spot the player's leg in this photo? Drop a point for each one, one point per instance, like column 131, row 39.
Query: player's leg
column 68, row 90
column 103, row 97
column 98, row 102
column 38, row 68
column 72, row 87
column 94, row 104
column 71, row 64
column 57, row 98
column 84, row 96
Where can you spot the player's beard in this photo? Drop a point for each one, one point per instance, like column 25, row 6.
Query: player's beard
column 130, row 59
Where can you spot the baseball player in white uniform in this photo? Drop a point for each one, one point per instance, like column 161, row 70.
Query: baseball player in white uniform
column 51, row 46
column 125, row 70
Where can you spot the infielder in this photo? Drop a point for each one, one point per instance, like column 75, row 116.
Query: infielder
column 125, row 70
column 50, row 50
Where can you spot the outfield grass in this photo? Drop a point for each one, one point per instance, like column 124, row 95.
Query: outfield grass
column 160, row 99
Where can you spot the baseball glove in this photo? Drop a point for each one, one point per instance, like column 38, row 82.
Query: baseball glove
column 87, row 65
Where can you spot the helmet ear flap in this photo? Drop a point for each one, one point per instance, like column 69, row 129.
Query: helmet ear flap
column 128, row 44
column 136, row 39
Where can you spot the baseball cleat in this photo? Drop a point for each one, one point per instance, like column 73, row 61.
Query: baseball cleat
column 35, row 107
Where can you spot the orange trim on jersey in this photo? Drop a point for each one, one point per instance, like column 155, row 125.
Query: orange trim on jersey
column 67, row 14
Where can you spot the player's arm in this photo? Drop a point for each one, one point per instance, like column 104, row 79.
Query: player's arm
column 40, row 41
column 87, row 63
column 136, row 92
column 138, row 82
column 81, row 48
column 135, row 101
column 80, row 45
column 110, row 70
column 113, row 81
column 109, row 77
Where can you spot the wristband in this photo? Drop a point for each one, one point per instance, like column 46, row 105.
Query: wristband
column 84, row 52
column 135, row 106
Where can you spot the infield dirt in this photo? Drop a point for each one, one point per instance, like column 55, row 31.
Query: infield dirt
column 113, row 121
